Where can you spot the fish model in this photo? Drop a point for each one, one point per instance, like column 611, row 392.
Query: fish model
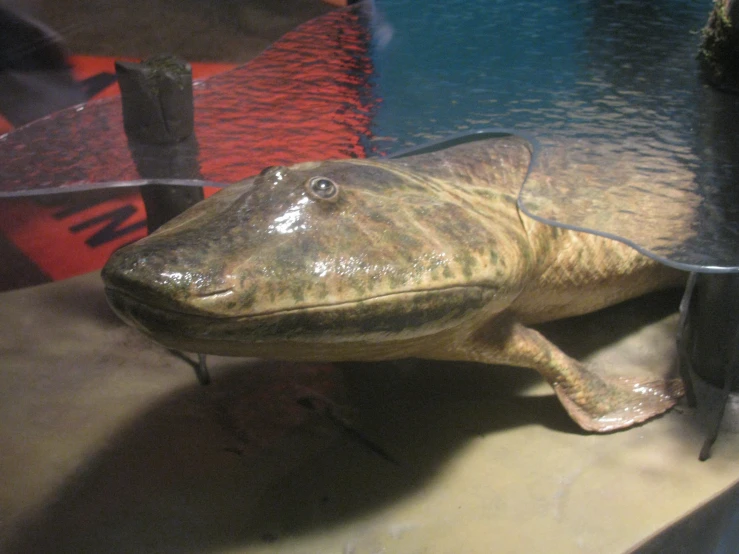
column 423, row 256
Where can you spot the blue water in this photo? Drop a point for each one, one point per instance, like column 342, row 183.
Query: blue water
column 455, row 65
column 617, row 78
column 460, row 65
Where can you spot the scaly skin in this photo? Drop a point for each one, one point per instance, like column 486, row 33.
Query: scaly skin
column 424, row 256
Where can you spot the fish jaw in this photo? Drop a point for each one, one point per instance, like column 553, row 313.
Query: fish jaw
column 384, row 327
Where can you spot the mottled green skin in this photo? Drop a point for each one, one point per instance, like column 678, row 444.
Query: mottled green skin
column 424, row 256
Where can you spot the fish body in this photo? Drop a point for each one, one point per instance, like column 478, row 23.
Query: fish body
column 423, row 256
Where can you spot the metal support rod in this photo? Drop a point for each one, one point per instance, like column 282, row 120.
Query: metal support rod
column 731, row 372
column 201, row 370
column 683, row 340
column 708, row 345
column 200, row 367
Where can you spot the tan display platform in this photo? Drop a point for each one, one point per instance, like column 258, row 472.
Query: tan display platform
column 109, row 445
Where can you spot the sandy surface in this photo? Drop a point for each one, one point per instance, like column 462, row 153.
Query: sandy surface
column 108, row 444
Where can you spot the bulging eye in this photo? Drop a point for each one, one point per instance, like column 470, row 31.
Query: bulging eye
column 272, row 173
column 322, row 188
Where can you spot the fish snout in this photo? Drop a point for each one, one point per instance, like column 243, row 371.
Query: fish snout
column 167, row 279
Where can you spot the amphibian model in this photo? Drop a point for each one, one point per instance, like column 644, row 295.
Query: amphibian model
column 424, row 256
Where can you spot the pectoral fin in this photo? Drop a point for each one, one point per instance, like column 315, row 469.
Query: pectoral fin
column 596, row 403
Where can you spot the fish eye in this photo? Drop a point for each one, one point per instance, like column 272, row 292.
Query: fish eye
column 322, row 188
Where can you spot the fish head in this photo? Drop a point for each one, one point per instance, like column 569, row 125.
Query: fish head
column 298, row 259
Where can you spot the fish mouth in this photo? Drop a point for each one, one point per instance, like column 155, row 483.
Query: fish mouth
column 380, row 318
column 214, row 293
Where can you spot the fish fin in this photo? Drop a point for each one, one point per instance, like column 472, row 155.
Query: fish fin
column 622, row 403
column 596, row 403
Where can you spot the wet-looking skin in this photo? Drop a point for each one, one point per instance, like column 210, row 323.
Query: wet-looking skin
column 425, row 256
